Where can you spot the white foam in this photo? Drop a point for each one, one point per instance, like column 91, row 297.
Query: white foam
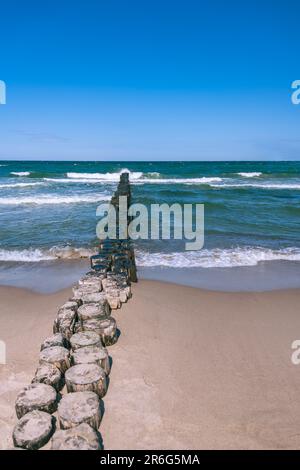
column 203, row 180
column 19, row 185
column 217, row 258
column 33, row 255
column 253, row 174
column 73, row 180
column 20, row 173
column 110, row 177
column 295, row 186
column 53, row 199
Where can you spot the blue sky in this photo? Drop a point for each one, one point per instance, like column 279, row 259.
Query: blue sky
column 149, row 80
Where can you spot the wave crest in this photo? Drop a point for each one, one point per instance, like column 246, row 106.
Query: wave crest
column 111, row 177
column 253, row 174
column 20, row 173
column 44, row 199
column 217, row 258
column 34, row 255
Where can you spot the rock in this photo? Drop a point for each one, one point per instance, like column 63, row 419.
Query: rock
column 86, row 377
column 34, row 430
column 56, row 355
column 79, row 407
column 81, row 437
column 88, row 338
column 37, row 396
column 55, row 340
column 49, row 374
column 92, row 355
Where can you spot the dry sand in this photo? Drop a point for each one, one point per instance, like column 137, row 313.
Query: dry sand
column 192, row 369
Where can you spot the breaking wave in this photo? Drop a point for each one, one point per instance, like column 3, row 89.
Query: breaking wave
column 253, row 174
column 111, row 177
column 53, row 199
column 33, row 255
column 217, row 258
column 20, row 173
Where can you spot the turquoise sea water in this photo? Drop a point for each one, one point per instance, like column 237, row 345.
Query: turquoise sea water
column 252, row 217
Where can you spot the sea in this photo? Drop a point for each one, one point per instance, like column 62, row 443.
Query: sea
column 252, row 222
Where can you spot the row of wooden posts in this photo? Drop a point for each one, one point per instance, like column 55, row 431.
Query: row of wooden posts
column 72, row 375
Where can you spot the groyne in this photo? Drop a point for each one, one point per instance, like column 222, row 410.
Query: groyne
column 64, row 402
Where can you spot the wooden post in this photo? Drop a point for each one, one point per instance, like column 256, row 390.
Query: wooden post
column 92, row 355
column 85, row 338
column 79, row 407
column 36, row 396
column 34, row 430
column 81, row 437
column 56, row 355
column 86, row 377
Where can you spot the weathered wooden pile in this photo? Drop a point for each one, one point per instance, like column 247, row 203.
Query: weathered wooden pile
column 72, row 376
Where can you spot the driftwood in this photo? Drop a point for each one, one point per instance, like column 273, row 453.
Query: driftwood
column 92, row 355
column 81, row 437
column 56, row 355
column 91, row 311
column 86, row 377
column 49, row 374
column 55, row 340
column 36, row 396
column 79, row 407
column 88, row 338
column 34, row 430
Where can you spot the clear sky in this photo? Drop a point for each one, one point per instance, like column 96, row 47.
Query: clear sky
column 149, row 79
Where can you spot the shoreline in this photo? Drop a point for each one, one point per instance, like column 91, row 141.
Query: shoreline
column 51, row 276
column 192, row 369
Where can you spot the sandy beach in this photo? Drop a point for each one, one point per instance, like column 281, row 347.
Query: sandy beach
column 192, row 369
